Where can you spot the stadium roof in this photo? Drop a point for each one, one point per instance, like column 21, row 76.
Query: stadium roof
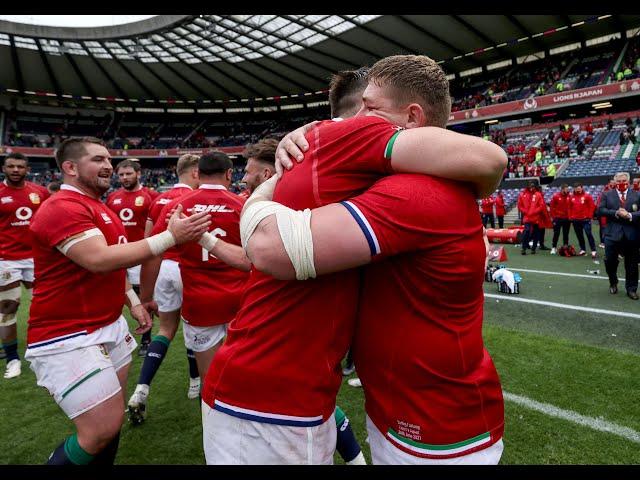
column 205, row 58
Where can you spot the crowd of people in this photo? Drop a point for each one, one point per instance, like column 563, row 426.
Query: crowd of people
column 246, row 271
column 615, row 209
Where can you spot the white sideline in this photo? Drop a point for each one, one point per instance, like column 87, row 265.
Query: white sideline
column 599, row 277
column 562, row 305
column 594, row 423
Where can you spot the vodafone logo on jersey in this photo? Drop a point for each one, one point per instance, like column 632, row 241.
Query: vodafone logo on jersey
column 199, row 208
column 126, row 214
column 24, row 213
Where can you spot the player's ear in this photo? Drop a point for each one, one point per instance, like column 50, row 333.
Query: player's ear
column 416, row 116
column 229, row 174
column 70, row 168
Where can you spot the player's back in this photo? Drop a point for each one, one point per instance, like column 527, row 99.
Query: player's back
column 428, row 368
column 17, row 207
column 283, row 350
column 212, row 289
column 178, row 190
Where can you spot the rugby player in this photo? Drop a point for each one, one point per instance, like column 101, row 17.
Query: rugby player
column 79, row 345
column 161, row 290
column 212, row 285
column 131, row 203
column 432, row 393
column 250, row 387
column 19, row 200
column 261, row 166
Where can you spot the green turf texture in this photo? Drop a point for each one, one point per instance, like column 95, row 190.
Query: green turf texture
column 579, row 361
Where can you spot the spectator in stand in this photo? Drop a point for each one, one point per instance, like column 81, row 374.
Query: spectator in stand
column 500, row 208
column 609, row 124
column 622, row 233
column 581, row 209
column 486, row 207
column 532, row 205
column 560, row 217
column 636, row 184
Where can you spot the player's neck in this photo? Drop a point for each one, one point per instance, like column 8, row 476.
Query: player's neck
column 11, row 184
column 89, row 192
column 134, row 189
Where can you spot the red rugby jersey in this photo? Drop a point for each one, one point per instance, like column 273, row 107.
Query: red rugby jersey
column 132, row 207
column 69, row 300
column 178, row 190
column 17, row 207
column 430, row 385
column 211, row 288
column 253, row 375
column 153, row 194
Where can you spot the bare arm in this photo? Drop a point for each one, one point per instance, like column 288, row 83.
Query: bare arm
column 94, row 254
column 338, row 244
column 147, row 228
column 232, row 255
column 444, row 153
column 148, row 275
column 429, row 150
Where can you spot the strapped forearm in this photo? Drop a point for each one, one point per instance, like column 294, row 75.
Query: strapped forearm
column 232, row 255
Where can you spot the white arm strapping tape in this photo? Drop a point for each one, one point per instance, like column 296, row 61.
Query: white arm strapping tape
column 294, row 228
column 208, row 241
column 133, row 298
column 71, row 241
column 161, row 242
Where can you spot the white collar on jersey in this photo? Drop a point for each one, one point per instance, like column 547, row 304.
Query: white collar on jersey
column 182, row 185
column 211, row 186
column 65, row 186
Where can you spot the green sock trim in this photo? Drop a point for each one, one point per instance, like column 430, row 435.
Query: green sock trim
column 340, row 416
column 8, row 344
column 161, row 339
column 75, row 452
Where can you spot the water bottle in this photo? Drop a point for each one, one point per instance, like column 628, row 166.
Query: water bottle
column 594, row 272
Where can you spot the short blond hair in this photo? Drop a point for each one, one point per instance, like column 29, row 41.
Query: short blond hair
column 415, row 79
column 186, row 162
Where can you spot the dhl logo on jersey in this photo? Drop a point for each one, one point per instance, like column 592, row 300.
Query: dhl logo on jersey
column 199, row 208
column 35, row 198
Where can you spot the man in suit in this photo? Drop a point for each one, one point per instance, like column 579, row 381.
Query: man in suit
column 621, row 206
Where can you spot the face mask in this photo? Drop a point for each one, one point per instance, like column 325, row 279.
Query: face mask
column 636, row 187
column 623, row 186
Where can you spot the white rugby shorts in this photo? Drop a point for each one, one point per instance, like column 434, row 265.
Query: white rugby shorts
column 133, row 275
column 83, row 377
column 168, row 290
column 201, row 339
column 229, row 440
column 383, row 452
column 16, row 270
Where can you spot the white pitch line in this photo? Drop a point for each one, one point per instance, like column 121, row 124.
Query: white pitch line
column 562, row 305
column 598, row 277
column 594, row 423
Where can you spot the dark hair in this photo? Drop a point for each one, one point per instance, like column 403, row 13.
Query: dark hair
column 73, row 148
column 564, row 185
column 532, row 183
column 15, row 156
column 128, row 163
column 212, row 163
column 53, row 186
column 577, row 184
column 343, row 86
column 264, row 150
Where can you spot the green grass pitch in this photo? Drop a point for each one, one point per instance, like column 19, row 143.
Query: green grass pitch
column 582, row 362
